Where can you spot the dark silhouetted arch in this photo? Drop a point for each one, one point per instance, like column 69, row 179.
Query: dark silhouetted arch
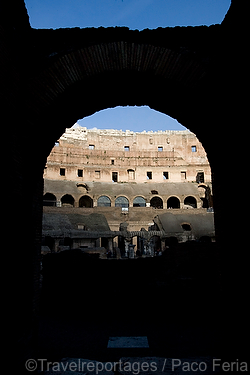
column 173, row 202
column 86, row 201
column 190, row 202
column 49, row 199
column 156, row 202
column 67, row 200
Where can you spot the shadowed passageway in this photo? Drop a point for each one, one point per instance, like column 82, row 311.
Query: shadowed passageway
column 167, row 299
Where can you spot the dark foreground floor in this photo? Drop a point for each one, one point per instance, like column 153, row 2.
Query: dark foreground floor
column 173, row 300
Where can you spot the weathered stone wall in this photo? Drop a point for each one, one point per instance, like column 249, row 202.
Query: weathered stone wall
column 184, row 193
column 169, row 155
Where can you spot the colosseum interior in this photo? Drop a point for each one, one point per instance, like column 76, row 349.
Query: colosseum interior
column 49, row 80
column 128, row 177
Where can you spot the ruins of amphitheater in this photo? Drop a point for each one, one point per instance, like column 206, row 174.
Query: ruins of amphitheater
column 102, row 181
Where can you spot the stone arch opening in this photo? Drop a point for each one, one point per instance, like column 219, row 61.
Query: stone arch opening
column 103, row 201
column 156, row 202
column 190, row 202
column 173, row 202
column 67, row 200
column 86, row 201
column 139, row 202
column 122, row 202
column 33, row 99
column 62, row 108
column 119, row 79
column 60, row 83
column 49, row 199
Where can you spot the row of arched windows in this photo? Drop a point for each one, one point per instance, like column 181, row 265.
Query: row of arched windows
column 104, row 201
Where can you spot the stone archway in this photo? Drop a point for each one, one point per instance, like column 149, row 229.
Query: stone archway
column 73, row 83
column 49, row 199
column 105, row 68
column 103, row 201
column 139, row 202
column 67, row 200
column 86, row 201
column 51, row 78
column 190, row 202
column 122, row 202
column 156, row 202
column 173, row 202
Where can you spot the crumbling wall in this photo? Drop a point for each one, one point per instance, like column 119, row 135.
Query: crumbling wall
column 97, row 153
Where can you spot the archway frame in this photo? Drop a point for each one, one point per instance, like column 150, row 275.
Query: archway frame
column 89, row 200
column 190, row 196
column 49, row 202
column 69, row 73
column 157, row 197
column 27, row 53
column 176, row 197
column 104, row 195
column 68, row 195
column 122, row 196
column 71, row 82
column 138, row 196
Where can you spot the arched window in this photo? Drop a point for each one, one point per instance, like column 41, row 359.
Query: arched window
column 156, row 202
column 67, row 200
column 190, row 202
column 86, row 201
column 49, row 200
column 173, row 202
column 103, row 201
column 139, row 202
column 122, row 202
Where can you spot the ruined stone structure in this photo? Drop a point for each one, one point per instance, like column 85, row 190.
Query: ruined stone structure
column 108, row 228
column 125, row 176
column 51, row 78
column 111, row 168
column 113, row 155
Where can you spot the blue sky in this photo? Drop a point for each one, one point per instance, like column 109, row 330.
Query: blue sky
column 135, row 14
column 131, row 118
